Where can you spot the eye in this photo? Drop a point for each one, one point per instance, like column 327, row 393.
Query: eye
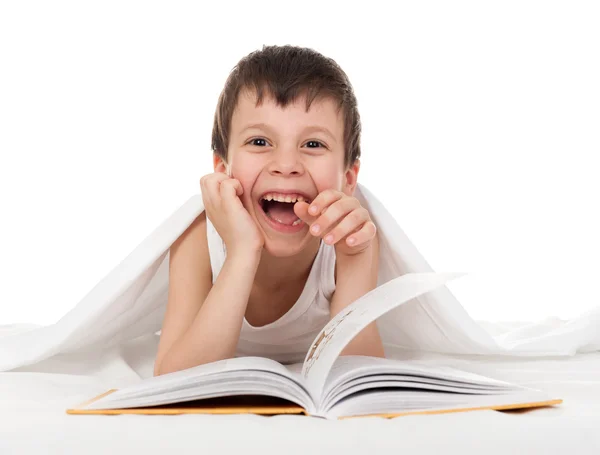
column 255, row 139
column 252, row 142
column 315, row 142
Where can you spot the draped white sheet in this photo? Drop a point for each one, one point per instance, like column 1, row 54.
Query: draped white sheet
column 130, row 303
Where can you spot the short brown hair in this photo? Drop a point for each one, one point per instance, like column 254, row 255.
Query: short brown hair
column 286, row 73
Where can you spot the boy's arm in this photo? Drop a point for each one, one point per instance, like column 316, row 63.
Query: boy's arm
column 355, row 276
column 203, row 321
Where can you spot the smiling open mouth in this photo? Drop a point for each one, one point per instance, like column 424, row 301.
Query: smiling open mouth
column 281, row 208
column 282, row 212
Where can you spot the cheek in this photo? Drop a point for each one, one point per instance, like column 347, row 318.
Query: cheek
column 247, row 185
column 246, row 172
column 245, row 167
column 326, row 177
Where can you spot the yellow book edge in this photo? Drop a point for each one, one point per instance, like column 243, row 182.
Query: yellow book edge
column 282, row 409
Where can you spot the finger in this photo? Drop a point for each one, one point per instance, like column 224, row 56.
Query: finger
column 323, row 201
column 301, row 211
column 365, row 234
column 334, row 214
column 231, row 190
column 208, row 192
column 213, row 176
column 350, row 224
column 210, row 182
column 210, row 188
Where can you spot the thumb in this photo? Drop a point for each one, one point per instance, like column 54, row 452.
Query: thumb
column 239, row 189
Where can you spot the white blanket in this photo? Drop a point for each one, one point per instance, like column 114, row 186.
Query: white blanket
column 129, row 304
column 33, row 417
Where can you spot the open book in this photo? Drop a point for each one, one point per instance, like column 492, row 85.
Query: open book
column 326, row 384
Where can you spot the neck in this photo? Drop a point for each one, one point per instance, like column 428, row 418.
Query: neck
column 274, row 272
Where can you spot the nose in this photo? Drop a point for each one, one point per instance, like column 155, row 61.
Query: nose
column 286, row 162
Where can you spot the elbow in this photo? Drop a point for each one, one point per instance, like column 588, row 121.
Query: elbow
column 157, row 371
column 159, row 366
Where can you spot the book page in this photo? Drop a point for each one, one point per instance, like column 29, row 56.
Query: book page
column 350, row 374
column 241, row 367
column 349, row 322
column 355, row 366
column 240, row 376
column 393, row 403
column 260, row 383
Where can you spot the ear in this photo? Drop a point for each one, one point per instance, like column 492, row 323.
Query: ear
column 218, row 164
column 351, row 178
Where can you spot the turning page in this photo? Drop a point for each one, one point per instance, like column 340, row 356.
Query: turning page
column 349, row 322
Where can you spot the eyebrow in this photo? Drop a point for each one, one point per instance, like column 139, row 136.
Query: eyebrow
column 266, row 127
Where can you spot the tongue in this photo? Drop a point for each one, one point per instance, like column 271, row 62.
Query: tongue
column 282, row 212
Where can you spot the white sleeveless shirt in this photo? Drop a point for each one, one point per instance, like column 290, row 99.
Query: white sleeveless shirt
column 287, row 339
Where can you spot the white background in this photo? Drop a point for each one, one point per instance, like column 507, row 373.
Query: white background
column 480, row 133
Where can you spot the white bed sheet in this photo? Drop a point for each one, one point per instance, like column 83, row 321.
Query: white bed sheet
column 33, row 418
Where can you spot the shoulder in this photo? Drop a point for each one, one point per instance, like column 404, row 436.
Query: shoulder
column 190, row 249
column 194, row 233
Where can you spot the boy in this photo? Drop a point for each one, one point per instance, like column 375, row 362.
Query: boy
column 286, row 142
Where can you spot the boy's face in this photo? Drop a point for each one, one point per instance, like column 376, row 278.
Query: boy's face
column 285, row 154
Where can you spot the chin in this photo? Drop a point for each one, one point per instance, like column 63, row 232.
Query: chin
column 283, row 249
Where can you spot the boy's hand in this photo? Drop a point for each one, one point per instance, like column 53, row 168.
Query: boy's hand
column 340, row 220
column 221, row 197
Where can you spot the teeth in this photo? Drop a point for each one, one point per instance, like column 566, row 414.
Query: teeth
column 283, row 198
column 297, row 222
